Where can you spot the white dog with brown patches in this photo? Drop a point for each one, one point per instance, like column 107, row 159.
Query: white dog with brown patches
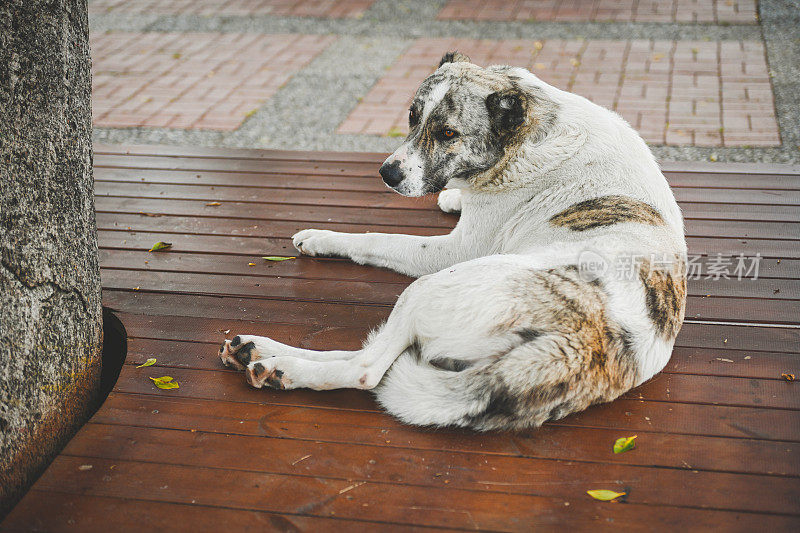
column 522, row 313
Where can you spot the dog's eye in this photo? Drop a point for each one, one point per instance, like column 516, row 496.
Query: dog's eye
column 413, row 118
column 448, row 133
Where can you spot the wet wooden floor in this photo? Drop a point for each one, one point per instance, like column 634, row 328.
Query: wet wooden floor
column 718, row 431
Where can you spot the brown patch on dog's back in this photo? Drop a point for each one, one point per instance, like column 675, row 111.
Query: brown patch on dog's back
column 606, row 211
column 665, row 295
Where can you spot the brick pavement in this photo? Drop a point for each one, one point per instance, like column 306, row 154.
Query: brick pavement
column 678, row 93
column 191, row 80
column 282, row 8
column 713, row 11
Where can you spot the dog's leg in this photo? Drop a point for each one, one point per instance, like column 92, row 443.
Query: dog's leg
column 408, row 254
column 283, row 367
column 244, row 349
column 361, row 369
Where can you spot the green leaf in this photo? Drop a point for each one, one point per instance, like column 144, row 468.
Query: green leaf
column 149, row 362
column 623, row 444
column 157, row 247
column 394, row 132
column 165, row 382
column 604, row 495
column 276, row 258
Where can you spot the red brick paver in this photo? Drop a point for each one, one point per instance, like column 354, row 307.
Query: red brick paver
column 282, row 8
column 712, row 11
column 679, row 93
column 191, row 80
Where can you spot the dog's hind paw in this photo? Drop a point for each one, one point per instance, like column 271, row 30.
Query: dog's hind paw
column 450, row 200
column 260, row 373
column 238, row 352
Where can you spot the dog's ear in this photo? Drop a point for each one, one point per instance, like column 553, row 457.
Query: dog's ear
column 454, row 57
column 506, row 111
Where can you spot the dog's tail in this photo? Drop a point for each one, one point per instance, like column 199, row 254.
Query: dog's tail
column 526, row 387
column 418, row 393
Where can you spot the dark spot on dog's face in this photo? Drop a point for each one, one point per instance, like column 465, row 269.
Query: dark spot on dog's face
column 236, row 341
column 258, row 369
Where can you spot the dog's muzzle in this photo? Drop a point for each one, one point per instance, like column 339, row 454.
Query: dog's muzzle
column 391, row 173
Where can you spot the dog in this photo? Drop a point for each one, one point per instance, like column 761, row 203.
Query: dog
column 522, row 314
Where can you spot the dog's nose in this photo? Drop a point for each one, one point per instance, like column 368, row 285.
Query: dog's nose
column 391, row 173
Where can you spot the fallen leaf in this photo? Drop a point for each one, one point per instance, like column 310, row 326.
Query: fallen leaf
column 85, row 467
column 165, row 382
column 604, row 495
column 225, row 332
column 623, row 444
column 724, row 360
column 276, row 258
column 574, row 62
column 788, row 377
column 213, row 204
column 160, row 245
column 394, row 132
column 149, row 362
column 538, row 45
column 251, row 264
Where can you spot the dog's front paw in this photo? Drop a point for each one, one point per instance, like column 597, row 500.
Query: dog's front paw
column 317, row 242
column 238, row 353
column 265, row 372
column 450, row 200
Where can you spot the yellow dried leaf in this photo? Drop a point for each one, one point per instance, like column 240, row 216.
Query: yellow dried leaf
column 251, row 264
column 213, row 204
column 394, row 132
column 538, row 45
column 165, row 382
column 623, row 444
column 604, row 495
column 160, row 245
column 276, row 258
column 149, row 362
column 788, row 377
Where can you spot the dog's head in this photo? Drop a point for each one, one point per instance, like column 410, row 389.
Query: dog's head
column 464, row 122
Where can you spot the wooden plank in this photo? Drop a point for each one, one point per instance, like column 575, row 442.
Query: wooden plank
column 374, row 216
column 374, row 183
column 209, row 224
column 83, row 513
column 246, row 245
column 387, row 199
column 243, row 279
column 345, row 499
column 685, row 360
column 531, row 465
column 622, row 415
column 186, row 317
column 681, row 388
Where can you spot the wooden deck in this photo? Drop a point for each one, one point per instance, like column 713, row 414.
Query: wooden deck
column 718, row 430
